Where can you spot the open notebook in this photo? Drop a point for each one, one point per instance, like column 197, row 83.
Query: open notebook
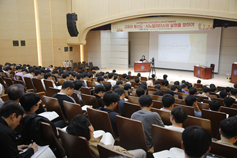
column 172, row 153
column 50, row 115
column 107, row 138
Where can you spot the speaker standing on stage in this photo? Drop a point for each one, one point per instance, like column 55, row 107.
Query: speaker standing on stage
column 143, row 59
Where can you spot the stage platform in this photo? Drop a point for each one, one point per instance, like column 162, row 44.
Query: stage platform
column 177, row 75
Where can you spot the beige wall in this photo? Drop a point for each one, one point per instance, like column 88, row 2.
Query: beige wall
column 139, row 45
column 228, row 51
column 18, row 23
column 106, row 49
column 94, row 13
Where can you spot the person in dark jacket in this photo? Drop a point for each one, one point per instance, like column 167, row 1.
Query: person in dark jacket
column 10, row 117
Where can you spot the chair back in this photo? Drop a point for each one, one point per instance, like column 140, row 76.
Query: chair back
column 48, row 138
column 82, row 66
column 5, row 97
column 223, row 150
column 164, row 139
column 212, row 96
column 157, row 104
column 75, row 65
column 52, row 104
column 75, row 146
column 52, row 91
column 180, row 101
column 3, row 83
column 38, row 85
column 29, row 83
column 17, row 77
column 203, row 106
column 197, row 85
column 100, row 120
column 48, row 84
column 74, row 95
column 130, row 108
column 20, row 82
column 41, row 106
column 89, row 100
column 204, row 123
column 165, row 115
column 202, row 97
column 215, row 118
column 91, row 64
column 220, row 100
column 207, row 101
column 8, row 81
column 189, row 110
column 144, row 78
column 228, row 110
column 133, row 99
column 107, row 152
column 183, row 95
column 79, row 64
column 90, row 84
column 72, row 109
column 85, row 90
column 131, row 133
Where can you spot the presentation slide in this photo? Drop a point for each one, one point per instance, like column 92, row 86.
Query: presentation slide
column 184, row 49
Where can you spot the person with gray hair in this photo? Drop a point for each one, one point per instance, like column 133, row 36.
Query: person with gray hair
column 15, row 92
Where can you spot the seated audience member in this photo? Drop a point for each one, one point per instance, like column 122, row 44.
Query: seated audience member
column 176, row 83
column 78, row 85
column 212, row 85
column 147, row 117
column 81, row 126
column 223, row 94
column 193, row 91
column 202, row 139
column 31, row 73
column 168, row 91
column 175, row 91
column 127, row 87
column 192, row 101
column 114, row 87
column 138, row 82
column 140, row 92
column 55, row 75
column 235, row 86
column 215, row 105
column 15, row 92
column 205, row 92
column 157, row 82
column 157, row 87
column 184, row 88
column 213, row 91
column 8, row 71
column 111, row 100
column 31, row 121
column 139, row 75
column 144, row 86
column 80, row 77
column 199, row 81
column 228, row 89
column 233, row 93
column 120, row 92
column 167, row 102
column 111, row 79
column 150, row 82
column 47, row 76
column 228, row 131
column 229, row 102
column 10, row 116
column 65, row 94
column 100, row 81
column 42, row 71
column 65, row 76
column 1, row 93
column 177, row 118
column 165, row 82
column 119, row 83
column 37, row 74
column 108, row 87
column 159, row 93
column 183, row 82
column 99, row 92
column 22, row 73
column 124, row 77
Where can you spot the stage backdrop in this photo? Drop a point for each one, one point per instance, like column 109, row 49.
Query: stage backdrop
column 162, row 24
column 184, row 49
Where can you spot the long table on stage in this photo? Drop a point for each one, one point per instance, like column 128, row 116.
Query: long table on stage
column 142, row 67
column 203, row 72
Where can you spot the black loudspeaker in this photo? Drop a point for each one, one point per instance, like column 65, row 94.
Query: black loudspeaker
column 71, row 24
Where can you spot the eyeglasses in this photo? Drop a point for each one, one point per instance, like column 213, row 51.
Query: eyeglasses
column 39, row 102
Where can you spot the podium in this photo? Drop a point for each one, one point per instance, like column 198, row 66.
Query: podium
column 203, row 72
column 142, row 67
column 234, row 73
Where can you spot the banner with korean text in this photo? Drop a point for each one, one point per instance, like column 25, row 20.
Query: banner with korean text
column 162, row 24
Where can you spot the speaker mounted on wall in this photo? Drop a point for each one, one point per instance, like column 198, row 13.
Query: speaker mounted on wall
column 71, row 24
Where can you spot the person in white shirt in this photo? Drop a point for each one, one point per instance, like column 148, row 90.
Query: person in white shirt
column 167, row 102
column 111, row 79
column 177, row 118
column 205, row 92
column 100, row 81
column 31, row 74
